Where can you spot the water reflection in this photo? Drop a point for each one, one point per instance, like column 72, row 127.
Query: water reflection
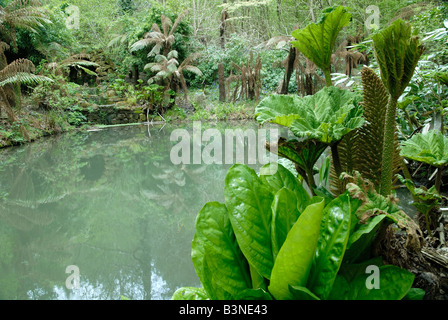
column 109, row 202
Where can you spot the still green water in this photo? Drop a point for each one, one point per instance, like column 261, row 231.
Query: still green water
column 112, row 204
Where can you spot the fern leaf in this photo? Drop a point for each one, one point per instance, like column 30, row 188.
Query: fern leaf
column 141, row 44
column 178, row 21
column 193, row 69
column 25, row 79
column 17, row 66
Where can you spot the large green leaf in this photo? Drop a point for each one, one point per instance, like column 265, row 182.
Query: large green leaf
column 394, row 284
column 280, row 109
column 283, row 178
column 361, row 238
column 303, row 153
column 254, row 294
column 430, row 148
column 328, row 115
column 325, row 116
column 331, row 246
column 224, row 271
column 302, row 293
column 397, row 52
column 317, row 40
column 293, row 263
column 424, row 199
column 248, row 202
column 284, row 215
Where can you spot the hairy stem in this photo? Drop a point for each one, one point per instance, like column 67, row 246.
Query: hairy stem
column 328, row 81
column 388, row 148
column 336, row 159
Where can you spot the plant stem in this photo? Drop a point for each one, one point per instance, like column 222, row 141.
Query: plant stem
column 438, row 179
column 388, row 148
column 310, row 180
column 428, row 225
column 308, row 177
column 336, row 159
column 328, row 81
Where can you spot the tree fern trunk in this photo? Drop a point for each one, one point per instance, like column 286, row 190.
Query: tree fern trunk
column 388, row 148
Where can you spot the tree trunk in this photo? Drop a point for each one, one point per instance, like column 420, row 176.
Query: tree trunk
column 313, row 18
column 222, row 27
column 289, row 70
column 222, row 84
column 135, row 75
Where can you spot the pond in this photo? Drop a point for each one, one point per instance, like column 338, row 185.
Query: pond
column 108, row 208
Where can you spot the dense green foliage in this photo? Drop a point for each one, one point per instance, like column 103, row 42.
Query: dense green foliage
column 273, row 238
column 324, row 250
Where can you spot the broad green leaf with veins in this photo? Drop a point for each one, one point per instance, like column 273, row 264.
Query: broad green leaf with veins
column 248, row 201
column 325, row 116
column 328, row 115
column 294, row 260
column 316, row 41
column 215, row 247
column 430, row 148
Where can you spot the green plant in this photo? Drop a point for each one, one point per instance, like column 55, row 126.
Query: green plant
column 75, row 116
column 324, row 118
column 271, row 240
column 430, row 148
column 362, row 149
column 397, row 52
column 425, row 200
column 162, row 40
column 316, row 41
column 169, row 73
column 17, row 14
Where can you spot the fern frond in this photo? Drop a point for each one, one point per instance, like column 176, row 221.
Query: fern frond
column 17, row 66
column 25, row 79
column 160, row 58
column 3, row 47
column 170, row 40
column 155, row 27
column 154, row 34
column 155, row 50
column 4, row 102
column 192, row 57
column 166, row 24
column 172, row 54
column 178, row 21
column 117, row 40
column 193, row 69
column 141, row 44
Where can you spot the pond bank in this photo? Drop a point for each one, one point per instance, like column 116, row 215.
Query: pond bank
column 40, row 123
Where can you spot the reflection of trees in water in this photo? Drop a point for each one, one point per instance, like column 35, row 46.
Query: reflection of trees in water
column 173, row 187
column 110, row 202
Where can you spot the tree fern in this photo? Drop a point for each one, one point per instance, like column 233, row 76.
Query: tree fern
column 23, row 14
column 26, row 14
column 160, row 39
